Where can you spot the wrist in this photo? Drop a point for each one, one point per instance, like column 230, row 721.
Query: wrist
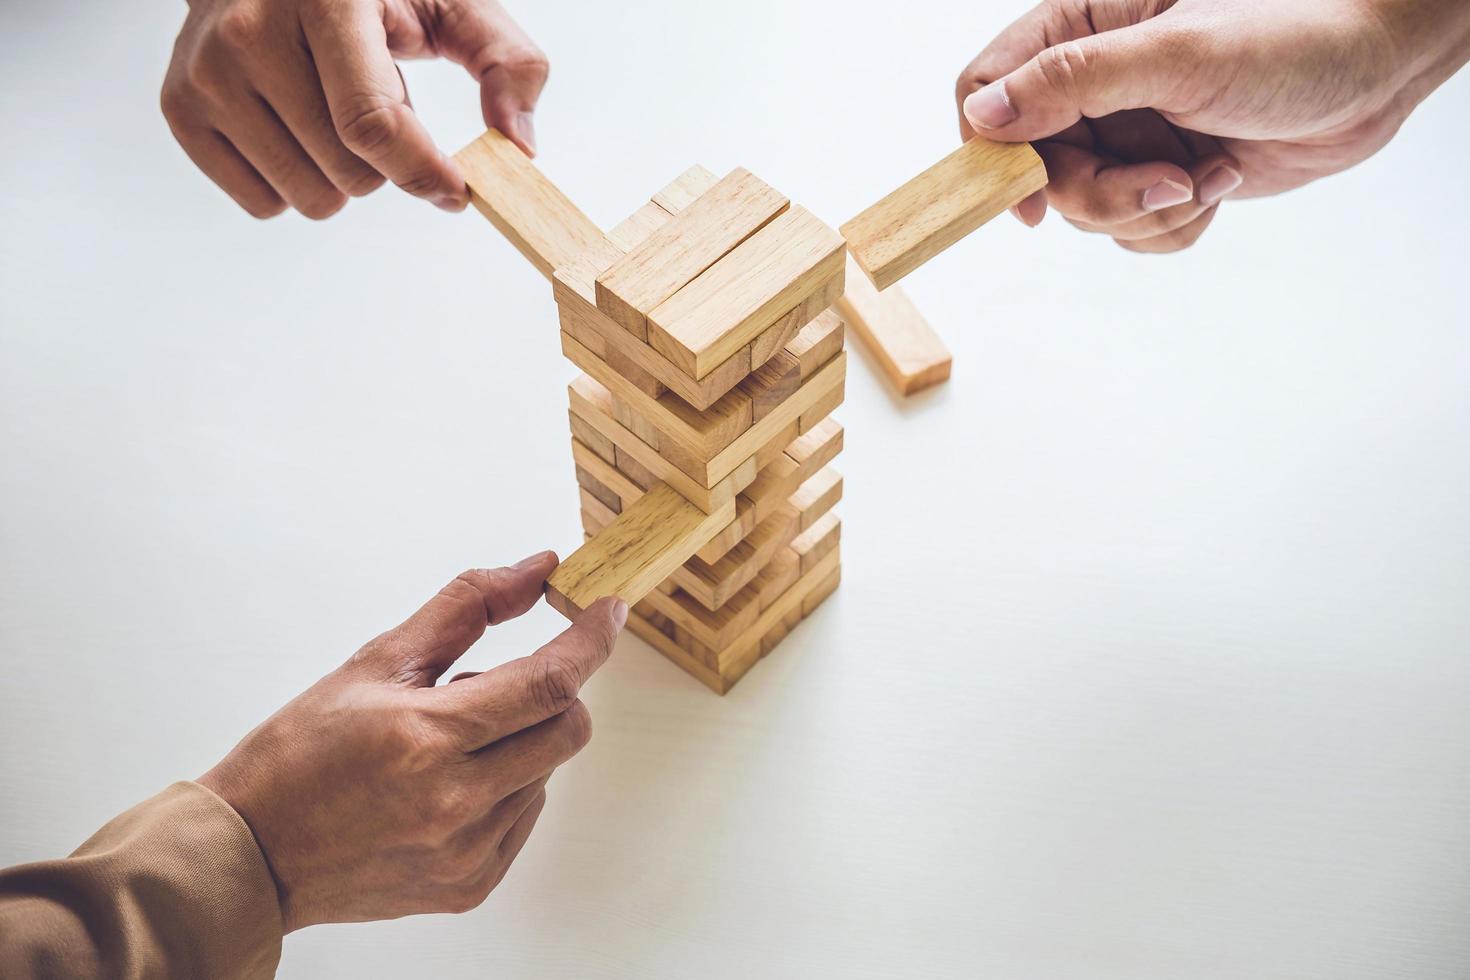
column 1430, row 38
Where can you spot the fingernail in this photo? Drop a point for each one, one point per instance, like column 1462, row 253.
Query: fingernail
column 619, row 614
column 535, row 559
column 990, row 108
column 1166, row 194
column 526, row 127
column 1219, row 183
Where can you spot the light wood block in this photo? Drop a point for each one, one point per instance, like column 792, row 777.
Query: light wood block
column 632, row 230
column 816, row 496
column 712, row 585
column 780, row 574
column 771, row 384
column 736, row 659
column 685, row 189
column 593, row 404
column 940, row 206
column 594, row 440
column 526, row 207
column 815, row 542
column 605, row 473
column 744, row 293
column 679, row 250
column 817, row 343
column 908, row 351
column 819, row 592
column 802, row 459
column 635, row 552
column 598, row 490
column 820, row 409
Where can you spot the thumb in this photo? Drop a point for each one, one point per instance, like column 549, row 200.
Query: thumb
column 511, row 69
column 1091, row 76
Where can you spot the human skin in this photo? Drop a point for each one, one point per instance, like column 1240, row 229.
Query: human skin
column 300, row 103
column 379, row 793
column 1150, row 113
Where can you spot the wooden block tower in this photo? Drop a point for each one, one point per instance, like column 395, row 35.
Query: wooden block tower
column 701, row 424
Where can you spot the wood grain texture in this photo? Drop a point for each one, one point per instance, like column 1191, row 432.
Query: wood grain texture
column 685, row 189
column 593, row 404
column 691, row 241
column 908, row 351
column 817, row 343
column 527, row 208
column 815, row 542
column 940, row 206
column 745, row 292
column 639, row 549
column 771, row 384
column 818, row 495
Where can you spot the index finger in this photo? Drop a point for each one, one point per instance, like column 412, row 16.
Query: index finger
column 369, row 104
column 525, row 692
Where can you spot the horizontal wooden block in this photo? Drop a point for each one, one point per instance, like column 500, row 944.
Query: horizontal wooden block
column 605, row 473
column 731, row 534
column 780, row 574
column 817, row 343
column 526, row 207
column 712, row 585
column 593, row 404
column 673, row 254
column 940, row 206
column 635, row 552
column 744, row 293
column 821, row 591
column 771, row 384
column 685, row 189
column 821, row 409
column 735, row 660
column 908, row 351
column 815, row 542
column 700, row 434
column 599, row 491
column 804, row 457
column 632, row 230
column 816, row 496
column 634, row 470
column 594, row 440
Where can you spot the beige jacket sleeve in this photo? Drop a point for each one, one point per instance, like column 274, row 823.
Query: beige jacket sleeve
column 174, row 887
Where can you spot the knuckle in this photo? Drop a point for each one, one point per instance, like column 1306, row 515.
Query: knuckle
column 578, row 723
column 554, row 683
column 1063, row 66
column 175, row 102
column 238, row 29
column 369, row 126
column 968, row 81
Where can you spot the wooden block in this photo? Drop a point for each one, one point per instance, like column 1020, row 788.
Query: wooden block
column 780, row 631
column 572, row 289
column 599, row 490
column 736, row 659
column 713, row 584
column 605, row 473
column 908, row 351
column 715, row 629
column 771, row 384
column 594, row 440
column 817, row 343
column 746, row 291
column 634, row 423
column 731, row 534
column 591, row 402
column 821, row 591
column 784, row 330
column 822, row 408
column 629, row 368
column 685, row 189
column 689, row 243
column 940, row 206
column 635, row 470
column 632, row 230
column 803, row 459
column 529, row 210
column 816, row 496
column 701, row 434
column 639, row 549
column 815, row 542
column 780, row 574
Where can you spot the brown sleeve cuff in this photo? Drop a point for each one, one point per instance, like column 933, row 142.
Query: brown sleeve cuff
column 175, row 886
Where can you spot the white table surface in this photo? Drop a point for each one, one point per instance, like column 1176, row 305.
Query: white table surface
column 1152, row 653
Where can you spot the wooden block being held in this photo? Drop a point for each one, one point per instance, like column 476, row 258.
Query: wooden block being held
column 942, row 205
column 634, row 553
column 907, row 349
column 529, row 210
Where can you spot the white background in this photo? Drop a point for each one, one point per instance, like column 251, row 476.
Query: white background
column 1152, row 653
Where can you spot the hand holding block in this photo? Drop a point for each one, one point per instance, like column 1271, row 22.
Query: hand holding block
column 942, row 205
column 645, row 545
column 540, row 221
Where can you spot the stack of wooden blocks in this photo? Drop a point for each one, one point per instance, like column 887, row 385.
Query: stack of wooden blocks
column 701, row 424
column 701, row 428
